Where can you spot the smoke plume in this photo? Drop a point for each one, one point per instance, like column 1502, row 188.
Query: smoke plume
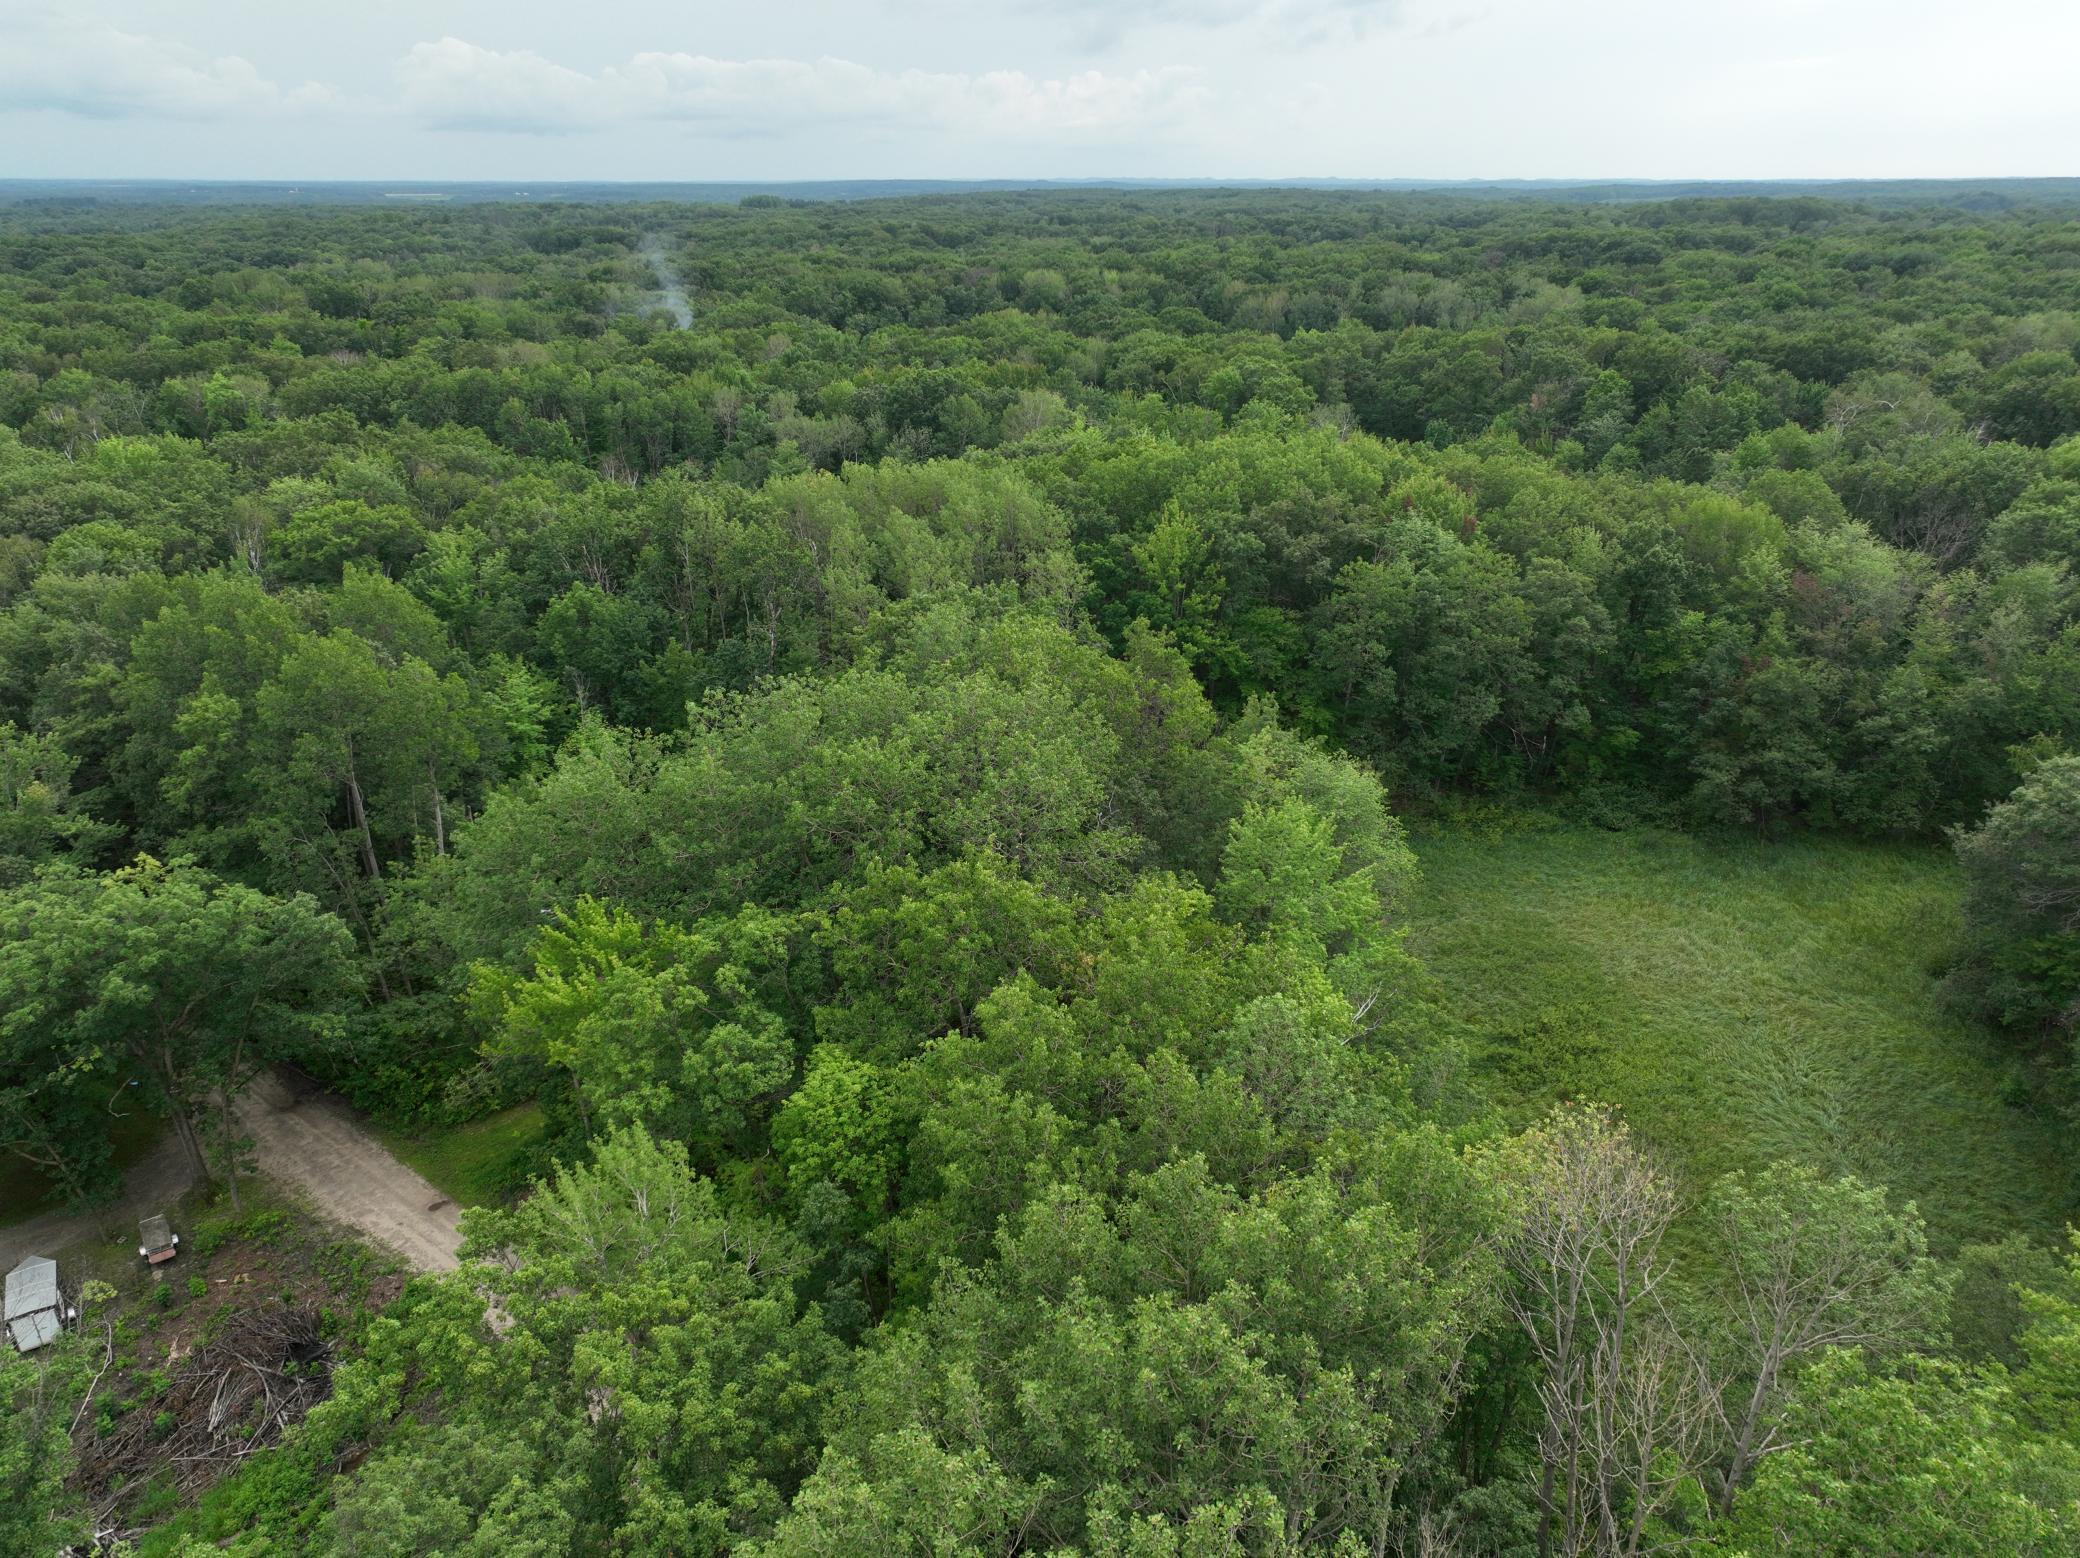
column 670, row 288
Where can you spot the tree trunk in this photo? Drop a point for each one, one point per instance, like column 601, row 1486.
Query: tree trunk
column 360, row 815
column 154, row 1053
column 1545, row 1510
column 191, row 1142
column 1744, row 1441
column 440, row 827
column 230, row 1151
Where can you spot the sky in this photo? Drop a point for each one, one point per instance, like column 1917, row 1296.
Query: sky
column 814, row 89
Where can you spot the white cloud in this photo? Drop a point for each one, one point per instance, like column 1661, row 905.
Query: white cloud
column 1099, row 24
column 452, row 84
column 55, row 58
column 1424, row 88
column 456, row 85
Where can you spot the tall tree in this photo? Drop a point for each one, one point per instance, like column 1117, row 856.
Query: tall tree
column 1813, row 1263
column 2022, row 901
column 191, row 983
column 651, row 1371
column 1624, row 1402
column 41, row 817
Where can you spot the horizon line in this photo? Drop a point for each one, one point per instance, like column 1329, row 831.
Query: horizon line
column 1073, row 179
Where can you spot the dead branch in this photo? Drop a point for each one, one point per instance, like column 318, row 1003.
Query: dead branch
column 231, row 1397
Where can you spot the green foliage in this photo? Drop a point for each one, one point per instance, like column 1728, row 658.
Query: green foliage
column 41, row 819
column 1192, row 1353
column 672, row 1029
column 653, row 1385
column 842, row 1128
column 1815, row 1264
column 164, row 973
column 2047, row 1385
column 1922, row 1460
column 884, row 793
column 2022, row 901
column 39, row 1393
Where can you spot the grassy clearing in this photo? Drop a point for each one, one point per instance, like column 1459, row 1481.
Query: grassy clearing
column 1743, row 1002
column 478, row 1164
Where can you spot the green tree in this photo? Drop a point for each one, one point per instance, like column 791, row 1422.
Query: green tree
column 1282, row 1358
column 672, row 1028
column 314, row 545
column 41, row 817
column 39, row 1393
column 190, row 983
column 2047, row 1384
column 2022, row 901
column 1922, row 1459
column 1812, row 1264
column 1181, row 587
column 651, row 1385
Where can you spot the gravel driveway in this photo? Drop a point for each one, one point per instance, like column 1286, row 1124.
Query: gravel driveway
column 312, row 1143
column 315, row 1144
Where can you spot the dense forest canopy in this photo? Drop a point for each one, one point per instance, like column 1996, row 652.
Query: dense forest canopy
column 891, row 723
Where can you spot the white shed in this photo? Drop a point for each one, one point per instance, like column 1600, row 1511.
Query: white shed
column 35, row 1313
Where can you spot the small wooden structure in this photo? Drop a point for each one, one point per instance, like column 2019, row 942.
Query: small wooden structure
column 159, row 1242
column 35, row 1312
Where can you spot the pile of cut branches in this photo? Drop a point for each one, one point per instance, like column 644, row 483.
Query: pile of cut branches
column 233, row 1395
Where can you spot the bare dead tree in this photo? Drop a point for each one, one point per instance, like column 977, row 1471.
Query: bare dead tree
column 1664, row 1407
column 1941, row 527
column 1624, row 1404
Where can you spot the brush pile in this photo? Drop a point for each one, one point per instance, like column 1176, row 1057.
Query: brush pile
column 234, row 1394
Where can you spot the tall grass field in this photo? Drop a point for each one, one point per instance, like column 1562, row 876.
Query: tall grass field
column 1741, row 1002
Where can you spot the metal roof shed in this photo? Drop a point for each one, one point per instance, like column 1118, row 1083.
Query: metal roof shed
column 35, row 1314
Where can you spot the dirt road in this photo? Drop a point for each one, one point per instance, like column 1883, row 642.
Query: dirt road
column 312, row 1144
column 315, row 1145
column 154, row 1183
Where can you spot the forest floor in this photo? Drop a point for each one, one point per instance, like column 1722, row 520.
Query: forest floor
column 26, row 1192
column 153, row 1183
column 197, row 1364
column 1743, row 1002
column 482, row 1162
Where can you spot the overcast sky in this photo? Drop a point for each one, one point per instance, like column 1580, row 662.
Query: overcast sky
column 772, row 89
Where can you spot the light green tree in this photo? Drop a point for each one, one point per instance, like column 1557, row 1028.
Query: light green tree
column 667, row 1026
column 1898, row 1463
column 649, row 1383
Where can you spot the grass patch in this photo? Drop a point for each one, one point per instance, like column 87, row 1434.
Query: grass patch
column 478, row 1164
column 1743, row 1002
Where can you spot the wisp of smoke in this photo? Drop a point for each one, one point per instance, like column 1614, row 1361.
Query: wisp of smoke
column 673, row 290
